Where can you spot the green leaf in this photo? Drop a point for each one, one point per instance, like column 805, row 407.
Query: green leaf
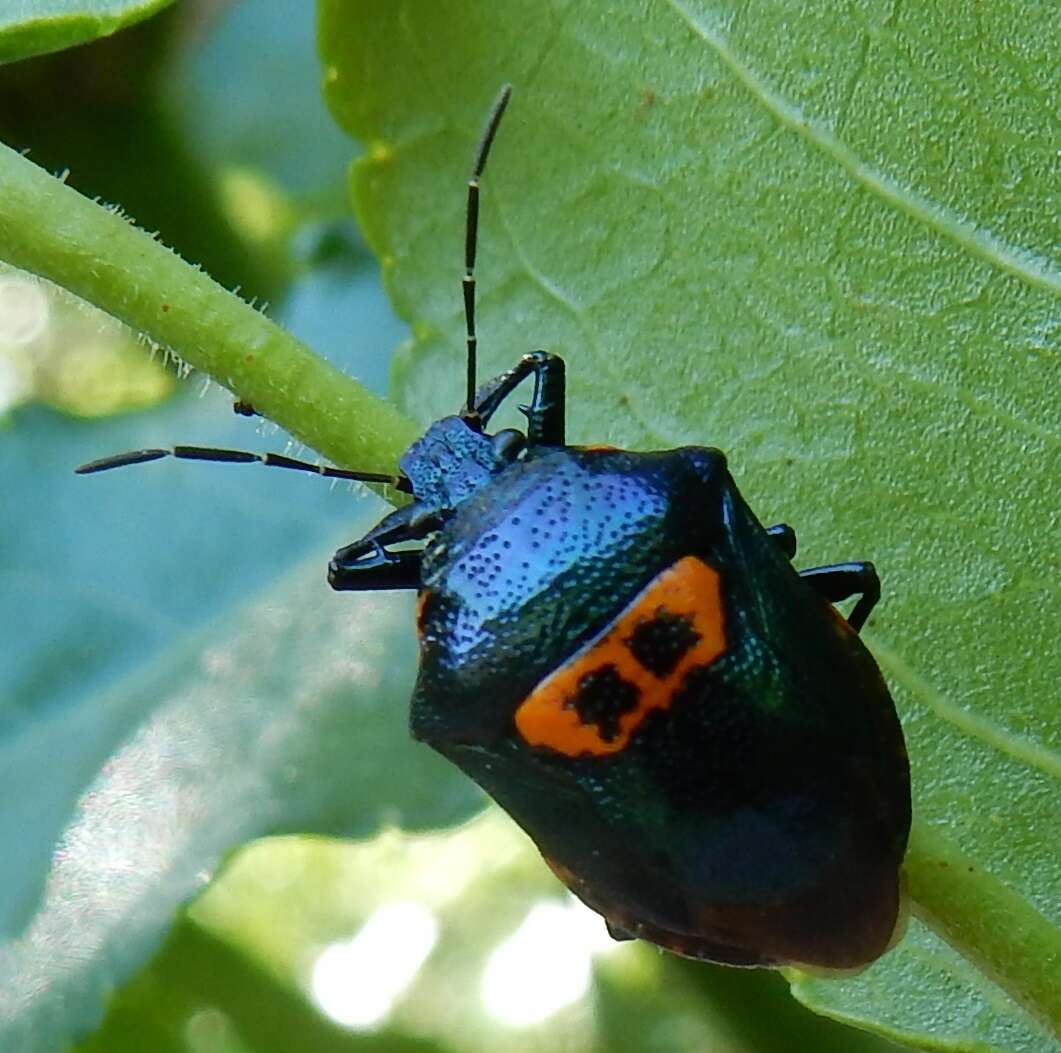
column 289, row 135
column 202, row 993
column 32, row 27
column 255, row 727
column 288, row 905
column 827, row 243
column 122, row 593
column 173, row 650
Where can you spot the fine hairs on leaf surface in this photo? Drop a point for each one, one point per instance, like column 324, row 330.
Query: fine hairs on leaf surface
column 823, row 244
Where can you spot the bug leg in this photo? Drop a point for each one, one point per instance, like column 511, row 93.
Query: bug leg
column 359, row 569
column 785, row 538
column 838, row 581
column 366, row 564
column 545, row 414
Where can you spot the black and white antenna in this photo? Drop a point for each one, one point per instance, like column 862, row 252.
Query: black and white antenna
column 214, row 453
column 276, row 460
column 471, row 231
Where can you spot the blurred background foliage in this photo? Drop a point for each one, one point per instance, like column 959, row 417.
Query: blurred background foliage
column 197, row 593
column 456, row 939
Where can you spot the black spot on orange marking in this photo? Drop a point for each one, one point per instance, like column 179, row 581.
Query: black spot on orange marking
column 603, row 697
column 689, row 590
column 661, row 642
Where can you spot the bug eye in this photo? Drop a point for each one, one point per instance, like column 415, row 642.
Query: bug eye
column 509, row 443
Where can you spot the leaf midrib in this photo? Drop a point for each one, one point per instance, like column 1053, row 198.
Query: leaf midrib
column 1015, row 261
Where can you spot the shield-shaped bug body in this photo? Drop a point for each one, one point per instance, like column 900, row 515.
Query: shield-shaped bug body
column 617, row 650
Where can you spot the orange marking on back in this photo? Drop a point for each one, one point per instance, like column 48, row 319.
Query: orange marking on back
column 840, row 623
column 599, row 448
column 690, row 590
column 421, row 604
column 564, row 874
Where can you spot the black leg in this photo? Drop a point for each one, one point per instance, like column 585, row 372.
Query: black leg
column 366, row 564
column 545, row 414
column 838, row 581
column 376, row 569
column 785, row 538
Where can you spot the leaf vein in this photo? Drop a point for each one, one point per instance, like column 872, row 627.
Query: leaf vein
column 1030, row 754
column 977, row 241
column 554, row 292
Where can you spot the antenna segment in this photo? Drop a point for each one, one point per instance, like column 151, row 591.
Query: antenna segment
column 213, row 453
column 471, row 233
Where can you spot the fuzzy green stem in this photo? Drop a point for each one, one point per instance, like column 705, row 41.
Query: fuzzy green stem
column 987, row 922
column 49, row 229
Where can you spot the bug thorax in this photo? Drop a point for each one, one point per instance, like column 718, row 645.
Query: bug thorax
column 453, row 460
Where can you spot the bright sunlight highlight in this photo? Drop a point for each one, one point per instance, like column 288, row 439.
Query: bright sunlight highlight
column 545, row 964
column 357, row 981
column 23, row 310
column 24, row 318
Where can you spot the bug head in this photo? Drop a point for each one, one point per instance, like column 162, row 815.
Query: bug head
column 453, row 459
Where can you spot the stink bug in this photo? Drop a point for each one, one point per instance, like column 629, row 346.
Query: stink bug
column 617, row 650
